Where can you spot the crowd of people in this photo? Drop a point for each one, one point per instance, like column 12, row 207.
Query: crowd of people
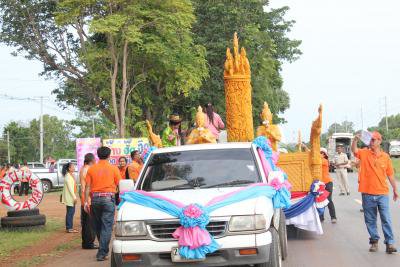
column 98, row 194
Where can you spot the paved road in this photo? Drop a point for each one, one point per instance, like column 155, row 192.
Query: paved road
column 344, row 244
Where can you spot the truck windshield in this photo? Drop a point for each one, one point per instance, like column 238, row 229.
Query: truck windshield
column 200, row 169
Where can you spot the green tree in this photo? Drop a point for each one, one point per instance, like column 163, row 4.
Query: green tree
column 84, row 125
column 126, row 59
column 343, row 127
column 25, row 140
column 393, row 131
column 262, row 33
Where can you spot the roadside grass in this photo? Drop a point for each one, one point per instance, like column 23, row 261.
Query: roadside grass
column 17, row 239
column 38, row 260
column 396, row 166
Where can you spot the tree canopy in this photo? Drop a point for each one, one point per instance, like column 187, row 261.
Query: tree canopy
column 264, row 36
column 124, row 58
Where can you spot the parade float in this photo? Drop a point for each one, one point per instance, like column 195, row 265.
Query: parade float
column 302, row 169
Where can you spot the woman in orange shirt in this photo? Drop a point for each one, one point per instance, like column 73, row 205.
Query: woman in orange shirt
column 328, row 185
column 122, row 166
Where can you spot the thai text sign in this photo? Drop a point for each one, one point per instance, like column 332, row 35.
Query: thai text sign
column 124, row 147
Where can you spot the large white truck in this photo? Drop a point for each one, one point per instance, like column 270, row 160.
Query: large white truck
column 337, row 139
column 250, row 232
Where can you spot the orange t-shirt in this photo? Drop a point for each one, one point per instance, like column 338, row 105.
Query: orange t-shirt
column 103, row 177
column 374, row 172
column 122, row 171
column 2, row 174
column 325, row 171
column 134, row 170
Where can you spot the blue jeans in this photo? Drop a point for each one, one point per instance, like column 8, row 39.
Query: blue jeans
column 103, row 209
column 372, row 204
column 69, row 218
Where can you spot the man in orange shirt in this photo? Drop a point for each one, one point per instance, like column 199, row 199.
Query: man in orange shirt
column 88, row 233
column 375, row 169
column 136, row 166
column 101, row 182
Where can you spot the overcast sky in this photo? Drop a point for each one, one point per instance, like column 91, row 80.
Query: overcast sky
column 350, row 58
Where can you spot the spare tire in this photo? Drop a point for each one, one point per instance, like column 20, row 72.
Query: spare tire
column 20, row 213
column 25, row 221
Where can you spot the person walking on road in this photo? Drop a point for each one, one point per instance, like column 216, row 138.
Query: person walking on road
column 69, row 197
column 375, row 168
column 341, row 162
column 88, row 233
column 328, row 185
column 101, row 183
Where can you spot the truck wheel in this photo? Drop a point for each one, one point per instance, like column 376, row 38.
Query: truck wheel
column 283, row 235
column 25, row 221
column 46, row 186
column 275, row 257
column 20, row 213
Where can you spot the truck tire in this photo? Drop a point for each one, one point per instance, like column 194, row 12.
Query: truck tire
column 25, row 221
column 46, row 186
column 275, row 257
column 283, row 235
column 21, row 213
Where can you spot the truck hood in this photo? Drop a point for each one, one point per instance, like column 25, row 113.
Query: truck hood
column 260, row 205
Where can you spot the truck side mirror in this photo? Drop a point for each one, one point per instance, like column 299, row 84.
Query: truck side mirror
column 126, row 185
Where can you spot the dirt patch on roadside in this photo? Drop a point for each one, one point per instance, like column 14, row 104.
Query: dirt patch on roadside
column 54, row 245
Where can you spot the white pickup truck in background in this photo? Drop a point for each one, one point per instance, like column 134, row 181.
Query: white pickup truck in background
column 394, row 149
column 250, row 232
column 51, row 180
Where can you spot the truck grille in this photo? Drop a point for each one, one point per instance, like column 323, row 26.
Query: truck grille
column 164, row 230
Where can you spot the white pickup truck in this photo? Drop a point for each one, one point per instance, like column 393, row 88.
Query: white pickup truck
column 249, row 232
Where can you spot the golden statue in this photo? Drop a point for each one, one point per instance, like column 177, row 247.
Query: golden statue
column 155, row 139
column 303, row 168
column 201, row 134
column 315, row 141
column 237, row 76
column 268, row 129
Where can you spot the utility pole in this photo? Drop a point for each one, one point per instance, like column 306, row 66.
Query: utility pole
column 41, row 129
column 386, row 116
column 8, row 147
column 362, row 119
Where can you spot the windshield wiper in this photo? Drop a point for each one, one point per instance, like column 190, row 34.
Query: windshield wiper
column 234, row 182
column 179, row 186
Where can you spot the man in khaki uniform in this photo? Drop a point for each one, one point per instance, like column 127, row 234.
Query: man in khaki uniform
column 341, row 162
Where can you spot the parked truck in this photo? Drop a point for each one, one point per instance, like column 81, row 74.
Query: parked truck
column 54, row 179
column 337, row 139
column 394, row 149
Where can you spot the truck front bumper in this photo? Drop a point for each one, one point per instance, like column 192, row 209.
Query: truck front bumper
column 153, row 253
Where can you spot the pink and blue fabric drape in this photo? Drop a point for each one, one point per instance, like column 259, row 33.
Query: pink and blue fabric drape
column 193, row 238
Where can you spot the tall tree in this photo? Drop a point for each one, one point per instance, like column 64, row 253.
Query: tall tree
column 115, row 56
column 24, row 139
column 263, row 34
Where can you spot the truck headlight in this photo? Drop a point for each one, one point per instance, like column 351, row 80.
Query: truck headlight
column 130, row 228
column 247, row 223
